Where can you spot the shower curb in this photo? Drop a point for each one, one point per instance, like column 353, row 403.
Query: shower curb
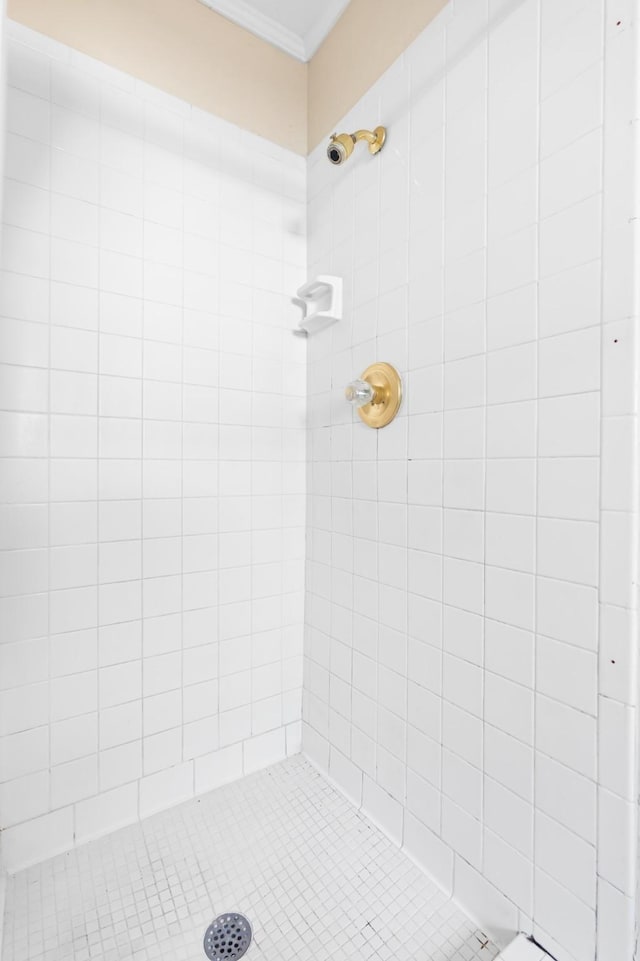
column 523, row 949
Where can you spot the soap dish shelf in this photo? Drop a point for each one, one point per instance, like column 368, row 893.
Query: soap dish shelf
column 321, row 303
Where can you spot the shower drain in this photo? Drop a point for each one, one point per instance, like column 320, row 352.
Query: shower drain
column 227, row 938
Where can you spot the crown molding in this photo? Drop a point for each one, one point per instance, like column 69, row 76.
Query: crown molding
column 257, row 23
column 313, row 38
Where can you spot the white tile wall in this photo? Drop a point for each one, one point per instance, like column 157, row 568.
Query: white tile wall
column 152, row 440
column 470, row 669
column 470, row 606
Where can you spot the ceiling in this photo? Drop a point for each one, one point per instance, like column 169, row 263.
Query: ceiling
column 296, row 26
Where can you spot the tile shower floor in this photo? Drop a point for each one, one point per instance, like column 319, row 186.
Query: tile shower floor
column 316, row 879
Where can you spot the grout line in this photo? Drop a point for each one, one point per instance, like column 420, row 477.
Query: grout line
column 485, row 318
column 182, row 474
column 141, row 739
column 49, row 531
column 603, row 180
column 534, row 719
column 98, row 498
column 442, row 278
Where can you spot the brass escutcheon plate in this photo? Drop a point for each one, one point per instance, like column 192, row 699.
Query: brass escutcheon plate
column 381, row 136
column 385, row 379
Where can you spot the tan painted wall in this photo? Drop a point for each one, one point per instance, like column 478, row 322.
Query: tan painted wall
column 187, row 50
column 366, row 40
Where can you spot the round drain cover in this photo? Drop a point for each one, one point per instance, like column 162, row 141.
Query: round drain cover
column 227, row 938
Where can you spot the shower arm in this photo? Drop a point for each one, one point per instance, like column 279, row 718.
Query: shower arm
column 367, row 135
column 375, row 138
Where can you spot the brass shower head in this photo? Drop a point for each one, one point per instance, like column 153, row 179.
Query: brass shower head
column 341, row 144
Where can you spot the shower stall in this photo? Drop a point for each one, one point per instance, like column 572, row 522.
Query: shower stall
column 278, row 676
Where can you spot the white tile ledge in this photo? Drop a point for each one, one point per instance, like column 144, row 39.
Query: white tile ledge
column 521, row 949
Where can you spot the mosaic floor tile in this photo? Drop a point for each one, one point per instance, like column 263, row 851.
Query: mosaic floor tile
column 316, row 879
